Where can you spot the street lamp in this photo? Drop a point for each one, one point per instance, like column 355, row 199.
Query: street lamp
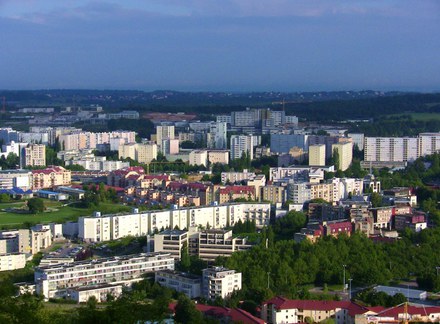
column 350, row 280
column 343, row 289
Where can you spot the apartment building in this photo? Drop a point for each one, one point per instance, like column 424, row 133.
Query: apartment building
column 55, row 281
column 218, row 156
column 15, row 178
column 142, row 153
column 182, row 282
column 209, row 244
column 12, row 261
column 317, row 155
column 345, row 153
column 242, row 144
column 198, row 157
column 232, row 193
column 15, row 241
column 280, row 310
column 110, row 227
column 34, row 155
column 172, row 242
column 400, row 149
column 274, row 194
column 78, row 140
column 50, row 177
column 99, row 292
column 164, row 132
column 220, row 282
column 235, row 177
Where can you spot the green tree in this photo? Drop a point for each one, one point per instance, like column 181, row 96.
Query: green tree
column 186, row 312
column 36, row 205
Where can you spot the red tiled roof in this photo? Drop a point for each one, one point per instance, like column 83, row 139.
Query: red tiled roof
column 322, row 305
column 236, row 315
column 412, row 310
column 237, row 189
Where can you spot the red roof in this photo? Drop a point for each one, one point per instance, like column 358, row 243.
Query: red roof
column 237, row 189
column 322, row 305
column 412, row 310
column 236, row 315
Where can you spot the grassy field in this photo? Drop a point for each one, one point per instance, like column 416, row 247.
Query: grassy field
column 56, row 212
column 420, row 116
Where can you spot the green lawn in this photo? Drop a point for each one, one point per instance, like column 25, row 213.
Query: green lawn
column 56, row 213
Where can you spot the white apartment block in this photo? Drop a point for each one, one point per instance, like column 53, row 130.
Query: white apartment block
column 55, row 281
column 358, row 139
column 142, row 153
column 391, row 149
column 15, row 178
column 87, row 140
column 317, row 155
column 242, row 144
column 218, row 156
column 111, row 227
column 209, row 244
column 100, row 292
column 234, row 177
column 345, row 151
column 171, row 241
column 401, row 149
column 34, row 155
column 14, row 147
column 186, row 283
column 198, row 157
column 219, row 139
column 220, row 282
column 12, row 261
column 35, row 138
column 98, row 163
column 202, row 157
column 164, row 132
column 429, row 143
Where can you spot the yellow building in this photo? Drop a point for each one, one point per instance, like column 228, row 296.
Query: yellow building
column 317, row 155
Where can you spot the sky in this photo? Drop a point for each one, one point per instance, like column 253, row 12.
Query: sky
column 220, row 45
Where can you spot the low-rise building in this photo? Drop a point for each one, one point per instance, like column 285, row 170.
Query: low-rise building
column 279, row 310
column 186, row 283
column 50, row 177
column 55, row 281
column 100, row 292
column 12, row 261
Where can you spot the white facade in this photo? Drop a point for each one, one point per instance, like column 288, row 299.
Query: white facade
column 54, row 281
column 101, row 293
column 198, row 157
column 164, row 132
column 12, row 261
column 237, row 176
column 111, row 227
column 15, row 178
column 188, row 284
column 345, row 152
column 220, row 282
column 358, row 139
column 391, row 149
column 219, row 130
column 242, row 144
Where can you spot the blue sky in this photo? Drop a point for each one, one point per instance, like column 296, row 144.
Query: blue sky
column 220, row 45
